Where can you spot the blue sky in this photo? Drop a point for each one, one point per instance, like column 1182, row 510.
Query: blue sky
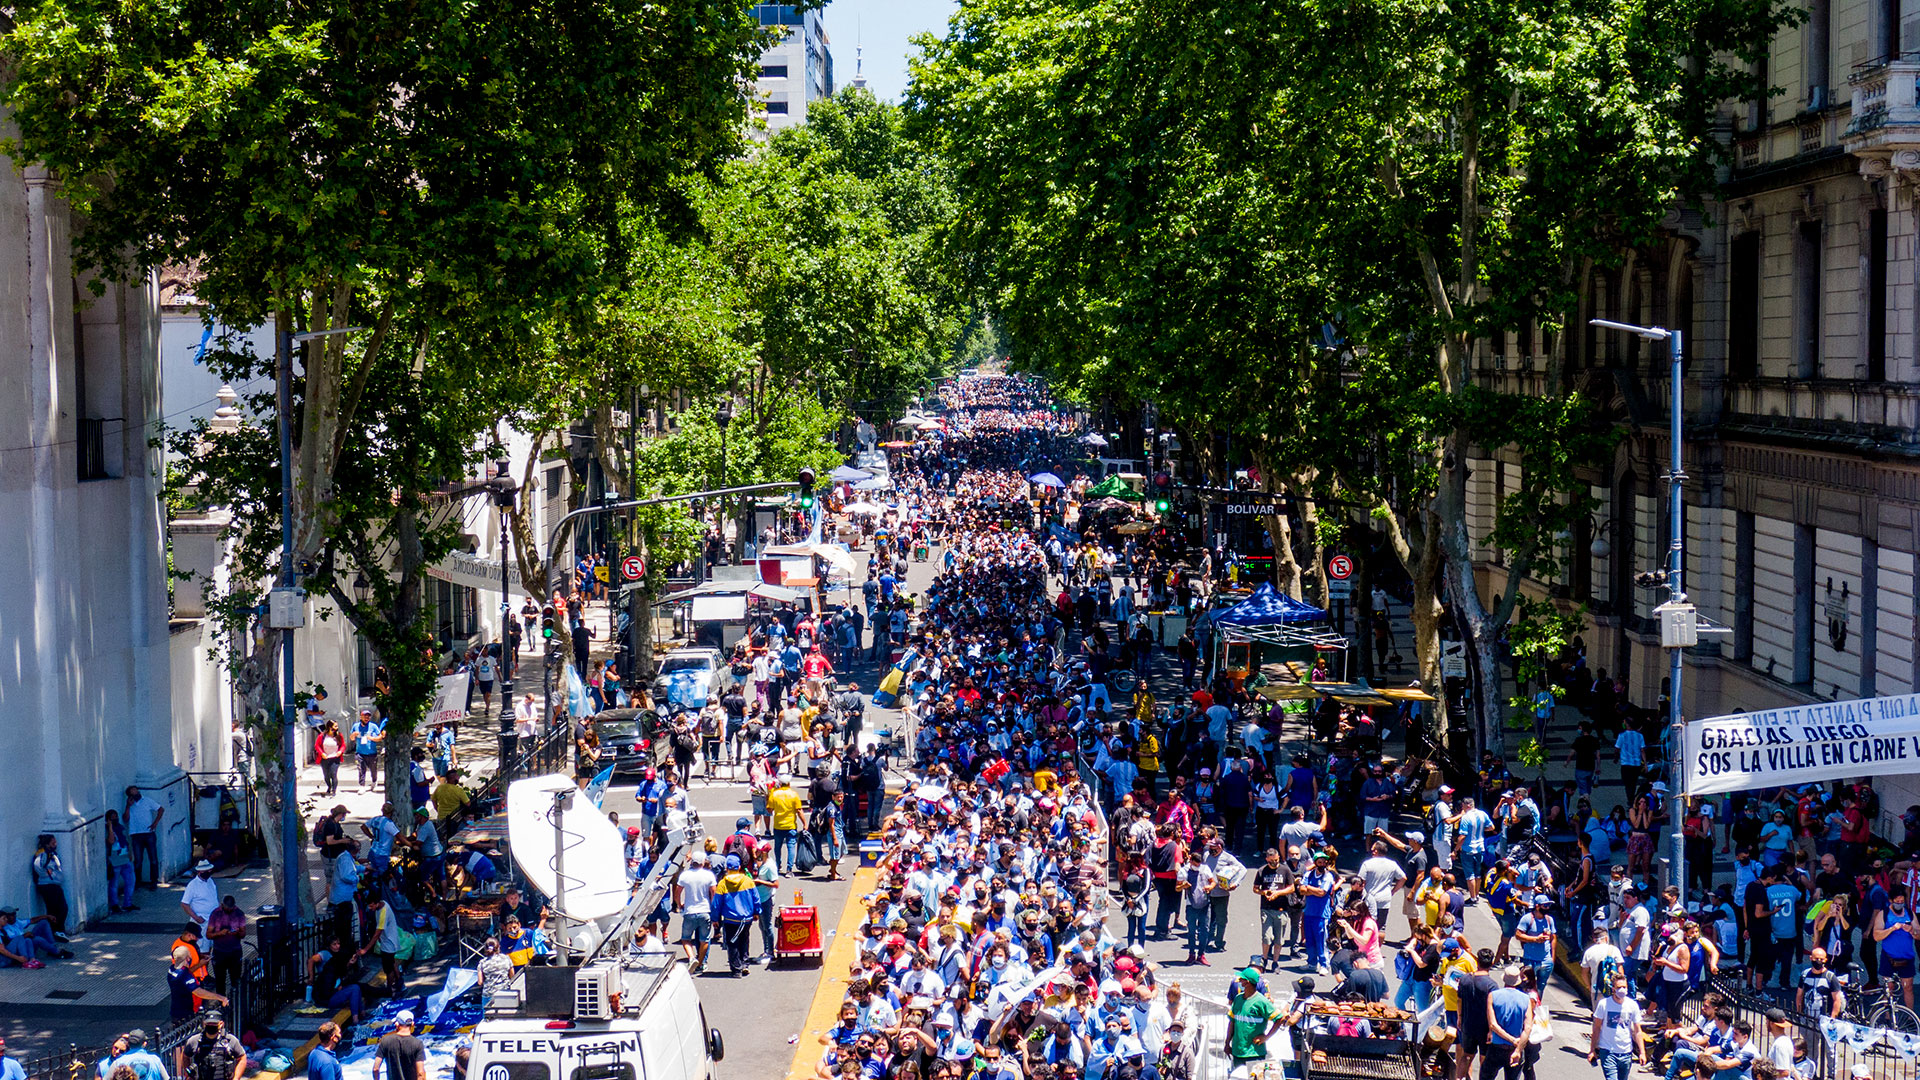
column 882, row 28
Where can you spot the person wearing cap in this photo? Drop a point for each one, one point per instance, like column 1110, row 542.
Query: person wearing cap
column 1509, row 1020
column 144, row 1062
column 25, row 944
column 736, row 902
column 368, row 734
column 400, row 1055
column 1443, row 820
column 1536, row 932
column 200, row 897
column 693, row 898
column 1251, row 1019
column 1316, row 887
column 212, row 1054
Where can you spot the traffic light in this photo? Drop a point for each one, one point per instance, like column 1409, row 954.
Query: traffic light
column 1161, row 505
column 806, row 489
column 546, row 621
column 1163, row 493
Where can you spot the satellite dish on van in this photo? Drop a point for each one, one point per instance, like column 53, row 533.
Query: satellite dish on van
column 586, row 847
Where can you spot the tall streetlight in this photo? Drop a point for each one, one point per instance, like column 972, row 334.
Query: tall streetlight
column 287, row 612
column 1679, row 620
column 722, row 417
column 504, row 490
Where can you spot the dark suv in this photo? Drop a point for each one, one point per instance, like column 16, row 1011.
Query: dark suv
column 631, row 740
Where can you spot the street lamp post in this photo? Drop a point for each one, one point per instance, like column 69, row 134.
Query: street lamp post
column 286, row 612
column 722, row 418
column 504, row 490
column 1679, row 626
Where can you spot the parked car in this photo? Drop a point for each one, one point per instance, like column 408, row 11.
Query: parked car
column 631, row 740
column 687, row 676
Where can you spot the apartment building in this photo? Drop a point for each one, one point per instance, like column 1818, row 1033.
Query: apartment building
column 1797, row 292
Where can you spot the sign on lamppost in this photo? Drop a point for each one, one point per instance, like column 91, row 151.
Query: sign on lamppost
column 633, row 568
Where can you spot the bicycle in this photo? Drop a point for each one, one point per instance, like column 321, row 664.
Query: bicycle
column 1879, row 1005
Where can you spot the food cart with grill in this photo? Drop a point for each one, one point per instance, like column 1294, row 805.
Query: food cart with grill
column 1386, row 1054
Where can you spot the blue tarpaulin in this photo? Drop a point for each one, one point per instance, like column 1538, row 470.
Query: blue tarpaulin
column 1269, row 607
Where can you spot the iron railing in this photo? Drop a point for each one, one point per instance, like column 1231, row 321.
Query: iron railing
column 1833, row 1059
column 552, row 752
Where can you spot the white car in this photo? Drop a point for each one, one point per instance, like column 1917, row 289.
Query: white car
column 687, row 677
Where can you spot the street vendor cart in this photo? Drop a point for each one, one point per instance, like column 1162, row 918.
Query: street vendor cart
column 1385, row 1053
column 796, row 932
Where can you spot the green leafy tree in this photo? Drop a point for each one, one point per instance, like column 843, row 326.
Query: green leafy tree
column 1169, row 199
column 435, row 173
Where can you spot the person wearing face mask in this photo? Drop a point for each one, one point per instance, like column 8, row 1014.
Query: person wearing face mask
column 1893, row 933
column 1616, row 1040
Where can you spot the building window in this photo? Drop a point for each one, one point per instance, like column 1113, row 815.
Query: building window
column 1743, row 586
column 1806, row 300
column 777, row 108
column 1743, row 308
column 555, row 476
column 1818, row 31
column 1876, row 295
column 776, row 14
column 1886, row 29
column 1803, row 553
column 773, row 71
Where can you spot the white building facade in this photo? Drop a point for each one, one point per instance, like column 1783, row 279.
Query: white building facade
column 86, row 681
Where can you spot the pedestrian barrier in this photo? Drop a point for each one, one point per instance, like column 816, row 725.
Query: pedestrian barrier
column 73, row 1063
column 1833, row 1059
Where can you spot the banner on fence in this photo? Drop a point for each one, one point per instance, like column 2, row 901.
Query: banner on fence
column 450, row 699
column 1829, row 740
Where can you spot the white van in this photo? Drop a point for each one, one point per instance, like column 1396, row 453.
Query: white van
column 663, row 1036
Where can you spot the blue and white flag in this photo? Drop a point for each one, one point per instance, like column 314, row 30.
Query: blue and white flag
column 597, row 787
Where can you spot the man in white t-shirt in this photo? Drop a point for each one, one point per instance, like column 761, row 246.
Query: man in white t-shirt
column 1382, row 877
column 693, row 898
column 1443, row 828
column 1636, row 932
column 1616, row 1040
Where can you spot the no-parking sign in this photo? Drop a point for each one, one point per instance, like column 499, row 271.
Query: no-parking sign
column 633, row 568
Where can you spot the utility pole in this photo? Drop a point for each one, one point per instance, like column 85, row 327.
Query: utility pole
column 287, row 612
column 1679, row 619
column 504, row 490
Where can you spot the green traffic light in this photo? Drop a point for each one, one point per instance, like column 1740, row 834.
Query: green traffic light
column 1162, row 506
column 806, row 502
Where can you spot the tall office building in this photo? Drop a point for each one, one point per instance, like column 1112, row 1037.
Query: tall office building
column 796, row 71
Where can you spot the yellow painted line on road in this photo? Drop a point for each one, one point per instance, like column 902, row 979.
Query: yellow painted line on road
column 825, row 1010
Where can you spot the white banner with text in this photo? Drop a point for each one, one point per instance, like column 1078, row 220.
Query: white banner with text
column 1830, row 740
column 450, row 699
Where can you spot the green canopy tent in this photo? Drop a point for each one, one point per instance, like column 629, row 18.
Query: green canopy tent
column 1113, row 488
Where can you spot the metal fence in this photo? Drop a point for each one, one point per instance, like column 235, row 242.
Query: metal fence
column 553, row 752
column 73, row 1063
column 1833, row 1059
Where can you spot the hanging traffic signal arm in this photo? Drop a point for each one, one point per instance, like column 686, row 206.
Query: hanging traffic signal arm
column 553, row 534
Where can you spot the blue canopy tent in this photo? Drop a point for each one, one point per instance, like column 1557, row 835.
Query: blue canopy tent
column 1270, row 617
column 1269, row 607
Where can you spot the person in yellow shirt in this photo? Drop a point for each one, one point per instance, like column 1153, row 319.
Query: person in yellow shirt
column 1431, row 896
column 783, row 804
column 450, row 796
column 1456, row 965
column 1147, row 753
column 1043, row 779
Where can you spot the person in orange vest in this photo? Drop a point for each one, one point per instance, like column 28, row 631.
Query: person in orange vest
column 189, row 939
